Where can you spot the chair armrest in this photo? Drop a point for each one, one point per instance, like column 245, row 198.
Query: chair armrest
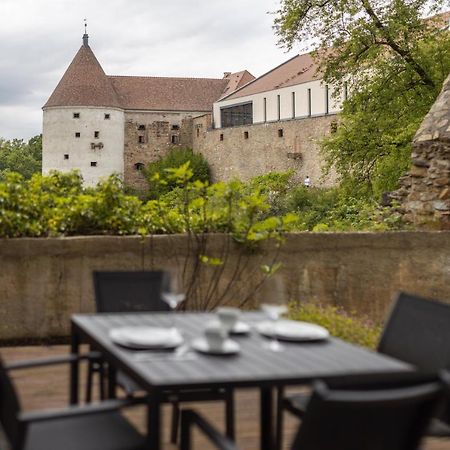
column 75, row 411
column 51, row 361
column 189, row 418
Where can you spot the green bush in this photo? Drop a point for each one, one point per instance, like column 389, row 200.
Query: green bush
column 349, row 327
column 175, row 158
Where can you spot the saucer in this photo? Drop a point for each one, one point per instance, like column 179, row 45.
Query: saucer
column 229, row 347
column 146, row 337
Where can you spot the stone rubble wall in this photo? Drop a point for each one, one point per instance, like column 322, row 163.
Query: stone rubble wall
column 250, row 150
column 424, row 192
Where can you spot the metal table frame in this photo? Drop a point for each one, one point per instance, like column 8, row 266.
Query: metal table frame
column 254, row 367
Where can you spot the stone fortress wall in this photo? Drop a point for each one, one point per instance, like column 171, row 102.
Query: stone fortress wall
column 250, row 150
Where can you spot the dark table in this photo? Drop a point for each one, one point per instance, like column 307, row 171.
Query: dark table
column 254, row 366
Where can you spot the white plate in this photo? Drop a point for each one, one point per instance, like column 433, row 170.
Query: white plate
column 229, row 347
column 146, row 337
column 293, row 330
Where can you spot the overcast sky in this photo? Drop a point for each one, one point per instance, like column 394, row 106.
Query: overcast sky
column 192, row 38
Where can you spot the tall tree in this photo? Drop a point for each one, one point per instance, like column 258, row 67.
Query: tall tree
column 16, row 155
column 393, row 63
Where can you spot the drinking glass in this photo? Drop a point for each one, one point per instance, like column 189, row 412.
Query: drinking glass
column 172, row 292
column 274, row 307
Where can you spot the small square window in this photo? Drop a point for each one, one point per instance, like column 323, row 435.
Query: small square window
column 141, row 139
column 280, row 132
column 141, row 127
column 93, row 163
column 76, row 115
column 175, row 127
column 77, row 134
column 96, row 134
column 221, row 137
column 245, row 134
column 66, row 156
column 107, row 116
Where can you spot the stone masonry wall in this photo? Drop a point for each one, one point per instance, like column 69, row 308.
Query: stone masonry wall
column 148, row 137
column 44, row 281
column 250, row 150
column 425, row 190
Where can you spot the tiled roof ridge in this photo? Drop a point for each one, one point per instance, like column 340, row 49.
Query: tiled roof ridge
column 165, row 78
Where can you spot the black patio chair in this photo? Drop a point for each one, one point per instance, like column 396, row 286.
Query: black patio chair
column 140, row 291
column 352, row 419
column 89, row 427
column 418, row 332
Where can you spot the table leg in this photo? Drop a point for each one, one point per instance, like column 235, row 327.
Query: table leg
column 266, row 422
column 112, row 381
column 154, row 421
column 74, row 367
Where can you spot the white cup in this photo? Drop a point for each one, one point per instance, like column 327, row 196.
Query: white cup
column 228, row 317
column 215, row 335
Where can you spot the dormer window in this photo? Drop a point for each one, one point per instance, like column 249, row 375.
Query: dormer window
column 76, row 115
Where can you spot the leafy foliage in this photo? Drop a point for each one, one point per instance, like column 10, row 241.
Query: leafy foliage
column 347, row 326
column 393, row 63
column 175, row 158
column 22, row 157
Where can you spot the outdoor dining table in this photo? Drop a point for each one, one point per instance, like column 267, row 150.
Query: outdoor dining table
column 253, row 366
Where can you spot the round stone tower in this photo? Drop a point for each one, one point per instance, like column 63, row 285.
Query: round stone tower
column 83, row 125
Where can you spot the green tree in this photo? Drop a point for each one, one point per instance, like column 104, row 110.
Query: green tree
column 16, row 155
column 390, row 60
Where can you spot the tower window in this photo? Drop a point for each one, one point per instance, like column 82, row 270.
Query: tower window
column 107, row 116
column 93, row 163
column 96, row 134
column 66, row 156
column 280, row 132
column 141, row 139
column 139, row 166
column 221, row 137
column 141, row 127
column 77, row 134
column 245, row 134
column 198, row 132
column 174, row 139
column 175, row 127
column 76, row 115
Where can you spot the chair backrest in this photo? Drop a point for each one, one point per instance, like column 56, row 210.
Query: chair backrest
column 129, row 291
column 9, row 406
column 387, row 419
column 418, row 331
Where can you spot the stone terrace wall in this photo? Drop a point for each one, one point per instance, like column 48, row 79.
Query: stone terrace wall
column 250, row 150
column 425, row 191
column 44, row 281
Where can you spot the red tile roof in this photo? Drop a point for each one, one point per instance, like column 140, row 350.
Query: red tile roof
column 168, row 94
column 85, row 84
column 299, row 69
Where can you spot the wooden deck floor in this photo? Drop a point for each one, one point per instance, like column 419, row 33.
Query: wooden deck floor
column 48, row 387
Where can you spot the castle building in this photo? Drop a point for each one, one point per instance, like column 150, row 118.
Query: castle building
column 102, row 124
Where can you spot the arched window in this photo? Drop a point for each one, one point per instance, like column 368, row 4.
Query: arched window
column 139, row 166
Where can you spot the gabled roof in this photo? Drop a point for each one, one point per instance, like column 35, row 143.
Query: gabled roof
column 237, row 80
column 168, row 94
column 299, row 69
column 84, row 84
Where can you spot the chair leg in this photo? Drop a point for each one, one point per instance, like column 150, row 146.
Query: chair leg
column 90, row 375
column 229, row 414
column 279, row 419
column 175, row 422
column 102, row 379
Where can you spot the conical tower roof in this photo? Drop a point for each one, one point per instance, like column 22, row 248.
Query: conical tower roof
column 84, row 83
